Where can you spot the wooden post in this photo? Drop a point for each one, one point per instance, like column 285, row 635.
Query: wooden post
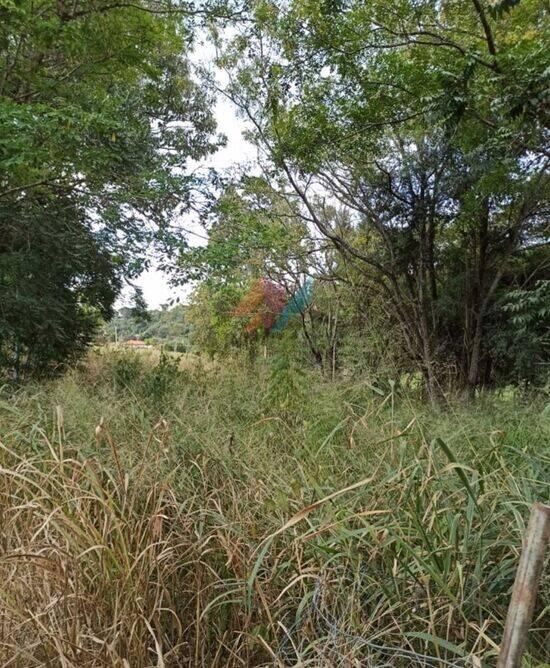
column 524, row 594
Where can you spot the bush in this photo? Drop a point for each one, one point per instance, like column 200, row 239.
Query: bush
column 143, row 375
column 163, row 378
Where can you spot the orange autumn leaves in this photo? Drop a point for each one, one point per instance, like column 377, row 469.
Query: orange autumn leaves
column 261, row 306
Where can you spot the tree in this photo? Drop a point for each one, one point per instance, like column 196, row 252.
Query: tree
column 166, row 327
column 427, row 123
column 520, row 334
column 252, row 233
column 213, row 327
column 257, row 242
column 56, row 285
column 98, row 110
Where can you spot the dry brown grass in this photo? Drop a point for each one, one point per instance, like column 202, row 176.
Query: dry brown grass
column 154, row 540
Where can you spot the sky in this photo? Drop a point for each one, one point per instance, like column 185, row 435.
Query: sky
column 154, row 283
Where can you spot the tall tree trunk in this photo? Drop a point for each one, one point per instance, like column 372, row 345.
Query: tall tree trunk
column 428, row 363
column 17, row 362
column 315, row 352
column 474, row 311
column 475, row 356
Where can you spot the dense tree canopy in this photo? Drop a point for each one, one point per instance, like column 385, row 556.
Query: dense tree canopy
column 56, row 282
column 427, row 123
column 403, row 164
column 99, row 118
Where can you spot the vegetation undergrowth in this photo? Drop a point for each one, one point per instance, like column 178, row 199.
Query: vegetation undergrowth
column 167, row 512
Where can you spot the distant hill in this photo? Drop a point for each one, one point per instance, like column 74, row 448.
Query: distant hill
column 166, row 327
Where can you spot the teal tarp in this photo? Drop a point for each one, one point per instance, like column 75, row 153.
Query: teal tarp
column 296, row 304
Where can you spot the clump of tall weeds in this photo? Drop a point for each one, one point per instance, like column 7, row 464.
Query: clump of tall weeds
column 369, row 531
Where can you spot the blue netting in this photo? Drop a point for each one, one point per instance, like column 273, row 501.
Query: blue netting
column 296, row 304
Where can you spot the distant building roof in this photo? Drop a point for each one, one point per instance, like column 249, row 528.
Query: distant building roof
column 136, row 342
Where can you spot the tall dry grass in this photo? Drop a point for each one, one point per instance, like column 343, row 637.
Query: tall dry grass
column 159, row 516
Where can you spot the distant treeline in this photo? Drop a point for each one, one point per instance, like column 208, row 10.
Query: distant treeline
column 167, row 327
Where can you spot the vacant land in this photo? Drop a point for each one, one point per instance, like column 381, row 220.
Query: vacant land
column 162, row 515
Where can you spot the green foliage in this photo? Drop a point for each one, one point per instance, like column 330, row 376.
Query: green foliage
column 522, row 339
column 214, row 329
column 56, row 284
column 151, row 378
column 168, row 327
column 253, row 234
column 530, row 309
column 98, row 111
column 126, row 371
column 286, row 385
column 164, row 378
column 428, row 126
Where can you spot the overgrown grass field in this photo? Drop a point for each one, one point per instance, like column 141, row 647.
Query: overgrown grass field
column 163, row 514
